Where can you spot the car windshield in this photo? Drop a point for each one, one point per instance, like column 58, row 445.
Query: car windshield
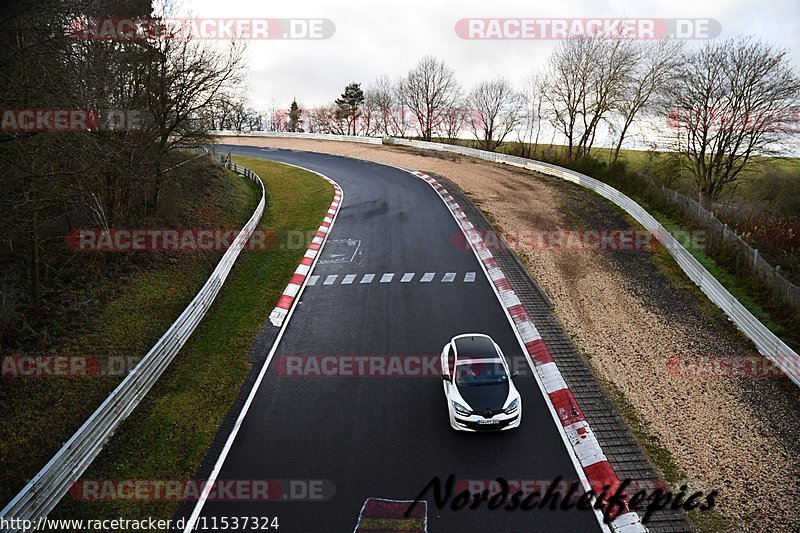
column 480, row 372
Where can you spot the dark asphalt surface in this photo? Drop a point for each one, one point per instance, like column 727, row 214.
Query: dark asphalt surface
column 378, row 436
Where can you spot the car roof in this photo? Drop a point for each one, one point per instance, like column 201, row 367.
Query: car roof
column 477, row 346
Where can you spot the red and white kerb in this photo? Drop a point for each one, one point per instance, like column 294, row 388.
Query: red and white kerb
column 598, row 470
column 277, row 316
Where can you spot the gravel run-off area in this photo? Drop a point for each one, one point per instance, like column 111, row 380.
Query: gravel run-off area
column 740, row 436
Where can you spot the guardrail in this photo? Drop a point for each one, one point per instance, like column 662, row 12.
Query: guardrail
column 767, row 343
column 44, row 491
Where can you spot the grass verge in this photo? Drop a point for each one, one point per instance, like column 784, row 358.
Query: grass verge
column 167, row 436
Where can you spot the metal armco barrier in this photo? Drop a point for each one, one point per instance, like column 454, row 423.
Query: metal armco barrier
column 45, row 490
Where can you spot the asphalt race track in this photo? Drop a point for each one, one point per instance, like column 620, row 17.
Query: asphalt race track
column 387, row 437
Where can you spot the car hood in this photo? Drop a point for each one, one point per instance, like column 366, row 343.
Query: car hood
column 482, row 397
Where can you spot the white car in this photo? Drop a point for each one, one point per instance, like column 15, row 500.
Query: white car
column 478, row 385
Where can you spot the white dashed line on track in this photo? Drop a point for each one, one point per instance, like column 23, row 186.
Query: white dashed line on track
column 388, row 277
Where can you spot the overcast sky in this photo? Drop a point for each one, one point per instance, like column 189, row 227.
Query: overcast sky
column 373, row 38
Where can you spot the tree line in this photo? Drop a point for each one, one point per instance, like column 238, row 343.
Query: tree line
column 56, row 174
column 717, row 105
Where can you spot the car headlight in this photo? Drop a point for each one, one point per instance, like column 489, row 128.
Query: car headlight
column 460, row 409
column 512, row 407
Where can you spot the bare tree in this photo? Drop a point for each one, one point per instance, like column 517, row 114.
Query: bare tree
column 496, row 111
column 240, row 113
column 454, row 120
column 400, row 114
column 429, row 89
column 533, row 112
column 370, row 119
column 184, row 77
column 729, row 102
column 254, row 121
column 338, row 122
column 318, row 119
column 656, row 64
column 586, row 81
column 384, row 101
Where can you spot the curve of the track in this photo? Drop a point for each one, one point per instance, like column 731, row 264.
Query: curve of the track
column 388, row 437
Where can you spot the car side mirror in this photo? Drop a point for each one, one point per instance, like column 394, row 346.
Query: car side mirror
column 445, row 377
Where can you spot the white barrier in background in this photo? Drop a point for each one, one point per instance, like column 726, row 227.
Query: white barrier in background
column 317, row 136
column 45, row 490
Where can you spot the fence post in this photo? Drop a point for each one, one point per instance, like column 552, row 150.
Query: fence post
column 755, row 256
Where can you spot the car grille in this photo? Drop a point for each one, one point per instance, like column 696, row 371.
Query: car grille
column 486, row 427
column 487, row 413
